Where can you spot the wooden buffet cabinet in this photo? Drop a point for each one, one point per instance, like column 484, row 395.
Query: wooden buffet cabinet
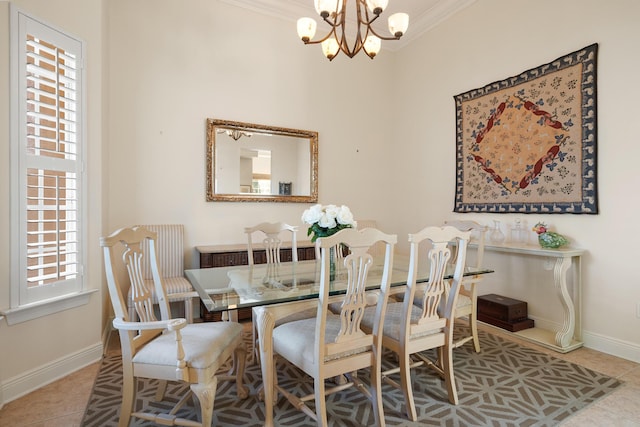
column 229, row 255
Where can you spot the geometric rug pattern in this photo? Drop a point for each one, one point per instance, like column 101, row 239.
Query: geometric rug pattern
column 504, row 385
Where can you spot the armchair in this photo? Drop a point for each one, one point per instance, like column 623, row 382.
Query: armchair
column 168, row 349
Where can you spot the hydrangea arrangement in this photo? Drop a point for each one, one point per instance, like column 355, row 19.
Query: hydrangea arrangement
column 327, row 220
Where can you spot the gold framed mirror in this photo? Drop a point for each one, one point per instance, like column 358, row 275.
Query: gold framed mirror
column 249, row 162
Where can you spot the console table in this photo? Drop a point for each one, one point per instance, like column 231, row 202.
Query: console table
column 569, row 336
column 212, row 256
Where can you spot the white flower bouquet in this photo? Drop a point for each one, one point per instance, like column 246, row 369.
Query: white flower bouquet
column 327, row 220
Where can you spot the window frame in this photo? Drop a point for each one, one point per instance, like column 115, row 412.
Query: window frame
column 26, row 302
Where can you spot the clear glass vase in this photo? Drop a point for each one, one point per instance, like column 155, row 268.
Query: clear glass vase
column 332, row 264
column 517, row 232
column 496, row 235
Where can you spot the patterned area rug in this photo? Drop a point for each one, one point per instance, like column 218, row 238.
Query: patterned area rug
column 504, row 385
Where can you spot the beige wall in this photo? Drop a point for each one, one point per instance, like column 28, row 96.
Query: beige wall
column 172, row 69
column 496, row 39
column 40, row 350
column 386, row 135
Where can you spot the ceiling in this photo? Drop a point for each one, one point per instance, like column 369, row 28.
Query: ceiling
column 423, row 14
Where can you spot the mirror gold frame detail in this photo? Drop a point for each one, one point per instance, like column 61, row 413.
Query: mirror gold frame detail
column 215, row 126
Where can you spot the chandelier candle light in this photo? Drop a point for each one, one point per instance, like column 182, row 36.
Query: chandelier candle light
column 334, row 13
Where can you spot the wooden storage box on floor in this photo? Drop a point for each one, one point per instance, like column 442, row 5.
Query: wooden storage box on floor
column 503, row 312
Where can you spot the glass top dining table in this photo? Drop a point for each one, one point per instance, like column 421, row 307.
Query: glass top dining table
column 246, row 286
column 261, row 285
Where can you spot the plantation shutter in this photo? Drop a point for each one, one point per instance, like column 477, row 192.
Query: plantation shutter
column 50, row 158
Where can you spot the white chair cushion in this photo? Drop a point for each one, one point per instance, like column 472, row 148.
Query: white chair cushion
column 463, row 301
column 295, row 341
column 203, row 343
column 393, row 320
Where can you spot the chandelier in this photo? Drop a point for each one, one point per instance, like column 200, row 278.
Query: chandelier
column 235, row 134
column 334, row 13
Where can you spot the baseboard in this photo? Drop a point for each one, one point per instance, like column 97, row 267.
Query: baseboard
column 620, row 348
column 34, row 379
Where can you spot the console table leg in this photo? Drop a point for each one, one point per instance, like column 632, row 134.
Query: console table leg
column 565, row 334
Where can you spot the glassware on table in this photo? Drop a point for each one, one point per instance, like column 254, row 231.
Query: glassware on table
column 496, row 235
column 517, row 232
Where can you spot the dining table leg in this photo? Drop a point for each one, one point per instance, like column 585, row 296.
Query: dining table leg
column 265, row 322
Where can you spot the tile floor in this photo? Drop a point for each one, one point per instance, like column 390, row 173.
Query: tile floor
column 62, row 403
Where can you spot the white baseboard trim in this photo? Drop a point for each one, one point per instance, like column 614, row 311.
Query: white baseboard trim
column 16, row 387
column 615, row 347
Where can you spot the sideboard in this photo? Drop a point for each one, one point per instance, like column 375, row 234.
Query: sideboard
column 568, row 336
column 212, row 256
column 229, row 255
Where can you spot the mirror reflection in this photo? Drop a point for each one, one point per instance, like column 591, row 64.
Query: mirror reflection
column 250, row 162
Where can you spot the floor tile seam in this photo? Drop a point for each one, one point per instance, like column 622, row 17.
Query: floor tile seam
column 632, row 370
column 40, row 421
column 628, row 386
column 613, row 413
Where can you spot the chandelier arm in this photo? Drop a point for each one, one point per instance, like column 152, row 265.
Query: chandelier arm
column 358, row 43
column 328, row 21
column 366, row 21
column 333, row 31
column 383, row 37
column 351, row 51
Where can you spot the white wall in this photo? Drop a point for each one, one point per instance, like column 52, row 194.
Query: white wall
column 386, row 127
column 41, row 350
column 386, row 134
column 184, row 62
column 496, row 39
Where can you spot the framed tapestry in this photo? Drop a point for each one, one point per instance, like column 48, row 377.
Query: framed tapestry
column 527, row 144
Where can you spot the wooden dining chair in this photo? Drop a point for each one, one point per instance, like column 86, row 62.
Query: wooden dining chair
column 411, row 328
column 329, row 345
column 169, row 349
column 467, row 306
column 271, row 233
